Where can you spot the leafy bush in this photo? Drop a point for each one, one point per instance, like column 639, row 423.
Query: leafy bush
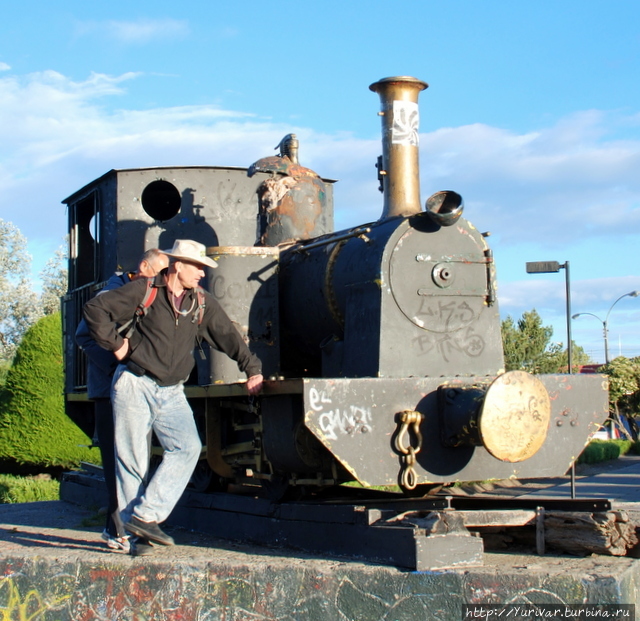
column 599, row 450
column 27, row 489
column 624, row 384
column 34, row 429
column 625, row 445
column 604, row 450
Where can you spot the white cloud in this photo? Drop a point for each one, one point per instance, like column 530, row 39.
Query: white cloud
column 4, row 67
column 136, row 32
column 557, row 184
column 598, row 297
column 145, row 30
column 553, row 190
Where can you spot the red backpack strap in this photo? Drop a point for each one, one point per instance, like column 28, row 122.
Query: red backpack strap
column 201, row 305
column 150, row 293
column 149, row 296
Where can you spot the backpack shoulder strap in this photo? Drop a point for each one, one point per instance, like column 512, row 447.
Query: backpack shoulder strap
column 199, row 314
column 150, row 293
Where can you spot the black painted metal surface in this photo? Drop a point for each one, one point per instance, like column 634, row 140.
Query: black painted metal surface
column 407, row 298
column 355, row 419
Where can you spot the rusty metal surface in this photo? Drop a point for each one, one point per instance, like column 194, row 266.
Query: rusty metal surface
column 280, row 165
column 293, row 202
column 354, row 419
column 292, row 208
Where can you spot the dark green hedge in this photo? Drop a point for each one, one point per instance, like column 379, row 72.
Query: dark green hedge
column 34, row 429
column 604, row 450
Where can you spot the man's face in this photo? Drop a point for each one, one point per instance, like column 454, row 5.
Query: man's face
column 189, row 274
column 151, row 268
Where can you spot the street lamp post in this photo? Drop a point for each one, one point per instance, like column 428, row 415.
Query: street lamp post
column 551, row 267
column 605, row 322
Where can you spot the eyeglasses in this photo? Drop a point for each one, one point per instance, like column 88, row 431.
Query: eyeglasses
column 156, row 271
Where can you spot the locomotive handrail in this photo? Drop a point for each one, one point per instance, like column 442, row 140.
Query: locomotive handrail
column 336, row 238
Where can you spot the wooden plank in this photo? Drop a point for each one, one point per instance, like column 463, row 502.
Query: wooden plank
column 477, row 519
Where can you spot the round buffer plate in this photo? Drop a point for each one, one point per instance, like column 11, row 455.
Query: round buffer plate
column 514, row 417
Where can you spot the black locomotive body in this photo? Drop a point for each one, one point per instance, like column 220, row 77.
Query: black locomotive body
column 381, row 345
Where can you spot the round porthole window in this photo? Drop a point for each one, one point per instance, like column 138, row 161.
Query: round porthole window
column 161, row 200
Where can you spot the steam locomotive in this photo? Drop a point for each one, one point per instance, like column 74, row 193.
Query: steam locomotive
column 380, row 344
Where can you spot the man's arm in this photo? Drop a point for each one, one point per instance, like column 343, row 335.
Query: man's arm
column 106, row 311
column 103, row 359
column 254, row 384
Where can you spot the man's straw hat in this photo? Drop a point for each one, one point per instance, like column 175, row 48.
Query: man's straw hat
column 189, row 250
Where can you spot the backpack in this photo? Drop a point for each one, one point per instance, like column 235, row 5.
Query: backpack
column 151, row 291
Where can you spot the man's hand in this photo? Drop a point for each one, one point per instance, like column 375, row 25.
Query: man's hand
column 254, row 384
column 123, row 352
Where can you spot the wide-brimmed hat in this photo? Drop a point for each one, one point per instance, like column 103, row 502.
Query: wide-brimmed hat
column 189, row 250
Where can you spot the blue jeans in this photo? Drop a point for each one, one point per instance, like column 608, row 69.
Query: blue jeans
column 140, row 406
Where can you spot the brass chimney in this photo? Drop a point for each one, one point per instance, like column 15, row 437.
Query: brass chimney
column 398, row 171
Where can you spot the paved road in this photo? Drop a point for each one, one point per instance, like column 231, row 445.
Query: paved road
column 618, row 481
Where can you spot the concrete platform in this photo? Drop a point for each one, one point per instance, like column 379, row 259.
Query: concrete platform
column 54, row 566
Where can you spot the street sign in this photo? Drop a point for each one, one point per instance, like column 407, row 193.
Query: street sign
column 543, row 267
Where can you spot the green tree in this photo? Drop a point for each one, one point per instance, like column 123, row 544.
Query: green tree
column 525, row 343
column 54, row 281
column 34, row 429
column 624, row 389
column 19, row 305
column 4, row 368
column 527, row 346
column 557, row 358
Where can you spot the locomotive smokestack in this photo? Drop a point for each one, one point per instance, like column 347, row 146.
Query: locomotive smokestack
column 398, row 171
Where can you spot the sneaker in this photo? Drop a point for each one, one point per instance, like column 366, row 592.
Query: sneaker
column 148, row 530
column 140, row 547
column 116, row 543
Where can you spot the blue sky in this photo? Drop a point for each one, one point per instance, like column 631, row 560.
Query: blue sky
column 532, row 114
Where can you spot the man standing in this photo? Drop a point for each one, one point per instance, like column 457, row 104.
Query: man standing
column 101, row 367
column 147, row 392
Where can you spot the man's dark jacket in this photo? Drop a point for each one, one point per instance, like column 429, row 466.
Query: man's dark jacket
column 163, row 342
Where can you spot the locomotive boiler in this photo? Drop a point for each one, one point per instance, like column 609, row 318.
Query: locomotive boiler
column 381, row 344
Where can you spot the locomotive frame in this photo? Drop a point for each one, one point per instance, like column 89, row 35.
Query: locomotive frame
column 381, row 344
